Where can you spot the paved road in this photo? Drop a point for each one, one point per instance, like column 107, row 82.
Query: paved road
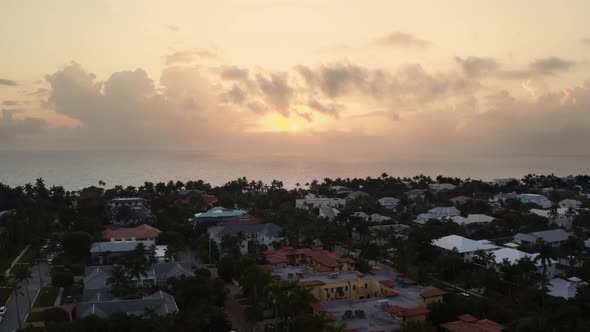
column 10, row 321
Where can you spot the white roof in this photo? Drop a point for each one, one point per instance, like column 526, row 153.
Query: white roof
column 472, row 219
column 445, row 211
column 442, row 186
column 511, row 245
column 561, row 288
column 462, row 244
column 545, row 213
column 587, row 243
column 388, row 201
column 512, row 255
column 571, row 201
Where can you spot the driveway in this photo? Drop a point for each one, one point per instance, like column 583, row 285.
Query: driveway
column 10, row 321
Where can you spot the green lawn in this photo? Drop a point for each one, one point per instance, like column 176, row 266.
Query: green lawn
column 4, row 295
column 46, row 297
column 35, row 316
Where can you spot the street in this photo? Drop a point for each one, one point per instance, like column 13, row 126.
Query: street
column 10, row 321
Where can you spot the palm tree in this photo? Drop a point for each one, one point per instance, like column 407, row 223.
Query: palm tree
column 138, row 264
column 525, row 267
column 22, row 274
column 485, row 258
column 545, row 255
column 118, row 277
column 17, row 289
column 553, row 212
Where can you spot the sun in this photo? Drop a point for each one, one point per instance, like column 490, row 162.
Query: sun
column 281, row 123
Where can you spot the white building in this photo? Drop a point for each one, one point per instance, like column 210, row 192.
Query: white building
column 439, row 213
column 566, row 289
column 262, row 234
column 379, row 218
column 553, row 237
column 464, row 246
column 564, row 217
column 441, row 186
column 539, row 200
column 329, row 212
column 570, row 204
column 390, row 203
column 512, row 256
column 341, row 190
column 472, row 219
column 502, row 182
column 312, row 201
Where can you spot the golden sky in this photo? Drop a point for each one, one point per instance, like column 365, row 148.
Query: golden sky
column 308, row 76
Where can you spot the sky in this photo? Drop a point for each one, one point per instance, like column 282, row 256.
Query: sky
column 366, row 78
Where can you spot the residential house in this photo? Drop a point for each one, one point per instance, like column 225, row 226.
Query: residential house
column 512, row 256
column 570, row 204
column 439, row 213
column 500, row 182
column 159, row 303
column 553, row 237
column 312, row 201
column 472, row 219
column 414, row 194
column 99, row 277
column 139, row 233
column 261, row 234
column 467, row 248
column 106, row 252
column 460, row 200
column 390, row 203
column 563, row 288
column 434, row 295
column 220, row 214
column 404, row 314
column 356, row 195
column 468, row 323
column 564, row 217
column 536, row 199
column 360, row 215
column 341, row 190
column 129, row 211
column 587, row 243
column 376, row 217
column 317, row 259
column 441, row 186
column 328, row 212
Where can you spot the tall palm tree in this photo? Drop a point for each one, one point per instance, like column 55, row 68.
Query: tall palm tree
column 119, row 277
column 17, row 289
column 22, row 274
column 545, row 255
column 525, row 267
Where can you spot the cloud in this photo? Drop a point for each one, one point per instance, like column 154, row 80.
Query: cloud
column 586, row 41
column 6, row 82
column 478, row 67
column 190, row 56
column 550, row 65
column 12, row 129
column 276, row 91
column 10, row 103
column 332, row 110
column 234, row 73
column 173, row 28
column 402, row 40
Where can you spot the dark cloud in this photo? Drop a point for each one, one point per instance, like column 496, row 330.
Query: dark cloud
column 305, row 115
column 477, row 67
column 234, row 73
column 173, row 28
column 332, row 110
column 586, row 41
column 236, row 95
column 10, row 103
column 190, row 56
column 402, row 40
column 550, row 65
column 336, row 79
column 7, row 82
column 276, row 91
column 11, row 129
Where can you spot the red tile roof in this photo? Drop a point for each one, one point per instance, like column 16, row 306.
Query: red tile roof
column 433, row 293
column 387, row 283
column 390, row 293
column 317, row 307
column 468, row 323
column 325, row 258
column 406, row 312
column 140, row 232
column 312, row 283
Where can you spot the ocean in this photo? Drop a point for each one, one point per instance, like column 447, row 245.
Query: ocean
column 78, row 169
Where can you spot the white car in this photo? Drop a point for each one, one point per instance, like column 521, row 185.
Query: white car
column 2, row 311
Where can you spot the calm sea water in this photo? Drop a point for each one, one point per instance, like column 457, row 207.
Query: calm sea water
column 78, row 169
